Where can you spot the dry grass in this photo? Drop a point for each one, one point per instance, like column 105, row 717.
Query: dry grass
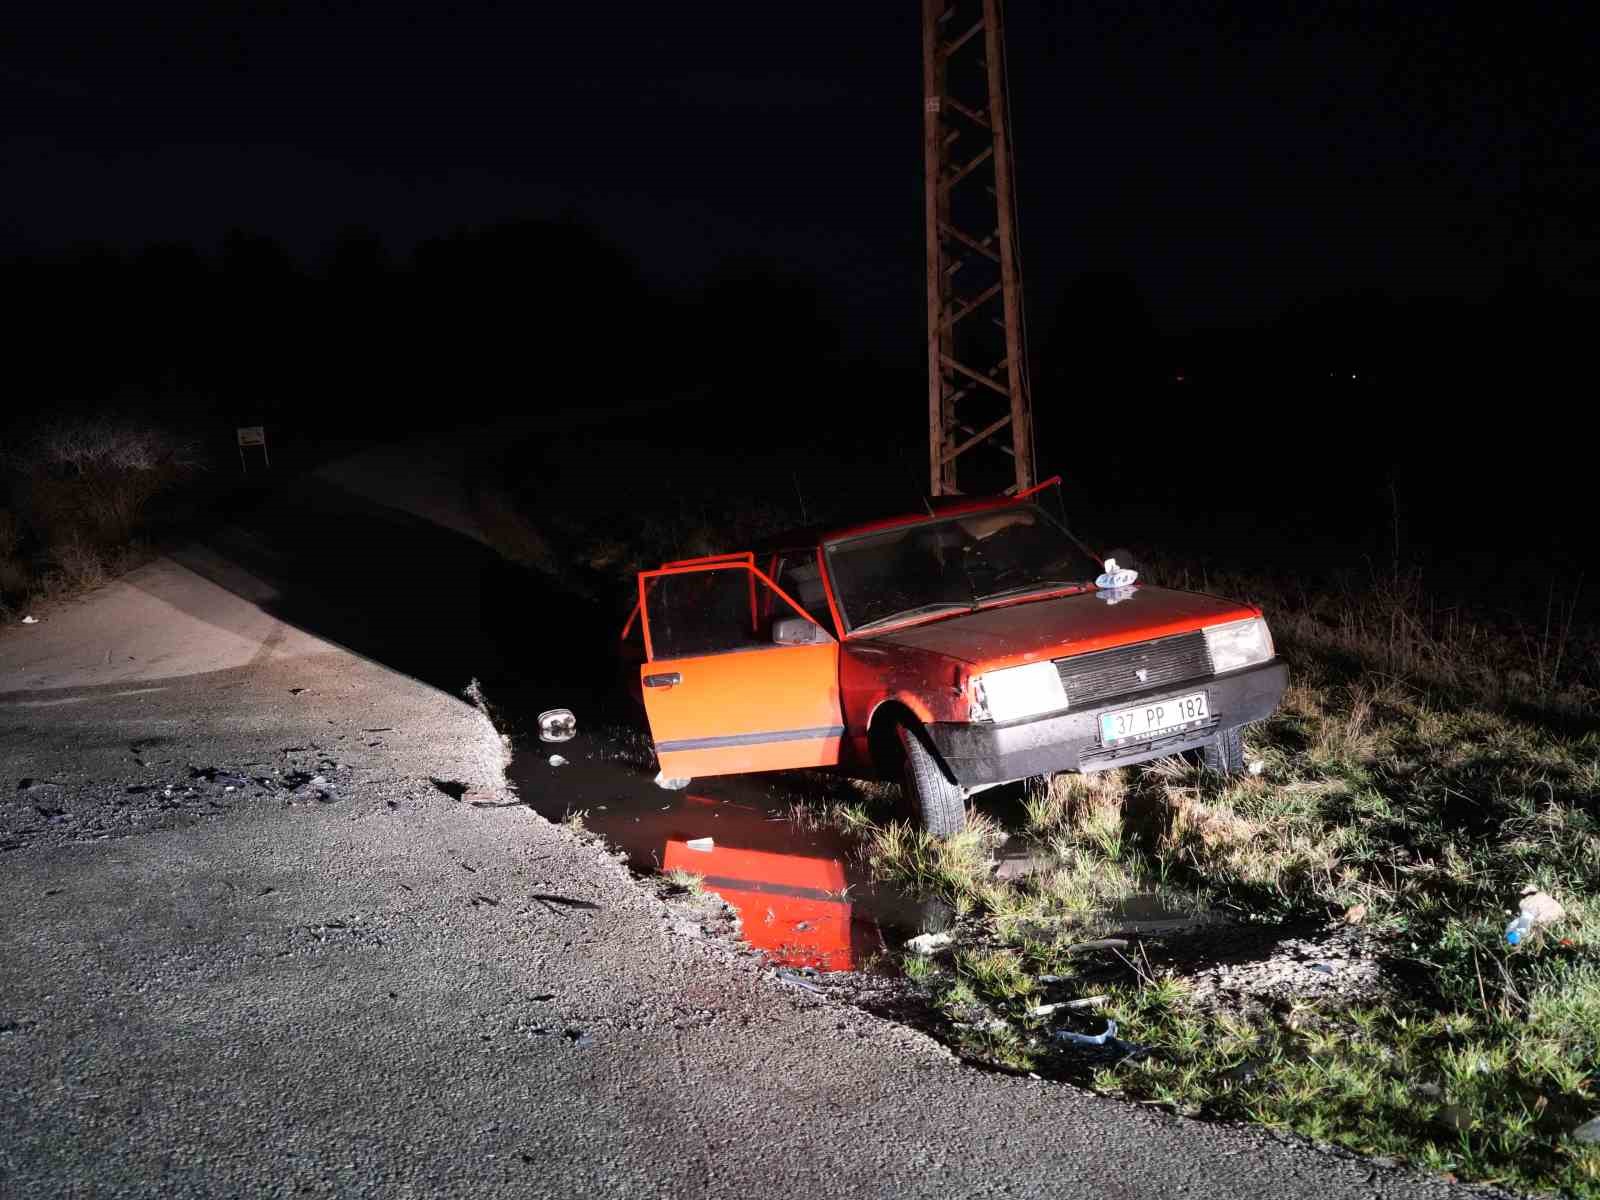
column 83, row 487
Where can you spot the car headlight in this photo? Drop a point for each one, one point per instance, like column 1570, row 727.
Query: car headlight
column 1238, row 644
column 1025, row 691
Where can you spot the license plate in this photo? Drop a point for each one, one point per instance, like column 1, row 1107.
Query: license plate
column 1153, row 718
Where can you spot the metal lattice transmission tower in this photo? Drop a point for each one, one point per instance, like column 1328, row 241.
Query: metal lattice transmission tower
column 977, row 353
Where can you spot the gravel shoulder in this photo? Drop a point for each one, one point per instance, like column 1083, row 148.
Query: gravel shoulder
column 374, row 985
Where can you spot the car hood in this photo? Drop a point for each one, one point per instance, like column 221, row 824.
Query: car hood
column 1017, row 633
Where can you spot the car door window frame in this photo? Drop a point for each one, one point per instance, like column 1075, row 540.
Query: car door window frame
column 724, row 562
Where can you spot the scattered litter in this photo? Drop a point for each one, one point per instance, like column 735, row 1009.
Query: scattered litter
column 704, row 845
column 802, row 978
column 1323, row 968
column 1588, row 1132
column 928, row 943
column 1244, row 1072
column 1102, row 944
column 1257, row 765
column 297, row 691
column 557, row 725
column 1044, row 1010
column 30, row 620
column 578, row 1037
column 557, row 761
column 670, row 782
column 1355, row 914
column 802, row 926
column 1084, row 1039
column 1536, row 909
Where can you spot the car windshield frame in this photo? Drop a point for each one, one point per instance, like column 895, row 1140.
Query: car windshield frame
column 930, row 607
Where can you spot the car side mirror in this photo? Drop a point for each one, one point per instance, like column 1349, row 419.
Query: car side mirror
column 797, row 631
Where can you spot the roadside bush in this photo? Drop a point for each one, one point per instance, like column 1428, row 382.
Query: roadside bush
column 77, row 567
column 87, row 481
column 80, row 490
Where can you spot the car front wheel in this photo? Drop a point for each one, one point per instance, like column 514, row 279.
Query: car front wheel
column 941, row 808
column 1224, row 753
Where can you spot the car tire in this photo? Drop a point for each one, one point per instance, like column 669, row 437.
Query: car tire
column 940, row 806
column 1224, row 753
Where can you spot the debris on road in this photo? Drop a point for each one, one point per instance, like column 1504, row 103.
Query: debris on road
column 578, row 1038
column 803, row 978
column 670, row 782
column 30, row 620
column 453, row 788
column 557, row 761
column 705, row 845
column 557, row 725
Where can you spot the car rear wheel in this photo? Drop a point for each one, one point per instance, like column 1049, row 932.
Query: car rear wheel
column 940, row 806
column 1224, row 753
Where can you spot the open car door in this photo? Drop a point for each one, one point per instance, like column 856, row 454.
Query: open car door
column 736, row 676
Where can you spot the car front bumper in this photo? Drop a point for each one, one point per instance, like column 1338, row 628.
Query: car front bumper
column 979, row 754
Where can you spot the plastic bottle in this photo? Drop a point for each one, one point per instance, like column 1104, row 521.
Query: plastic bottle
column 1518, row 931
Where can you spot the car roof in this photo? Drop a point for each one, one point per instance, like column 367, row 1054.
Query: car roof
column 938, row 508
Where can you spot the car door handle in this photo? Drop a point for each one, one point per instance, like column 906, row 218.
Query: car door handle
column 670, row 679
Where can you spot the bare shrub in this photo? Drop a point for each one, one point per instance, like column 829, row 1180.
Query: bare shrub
column 10, row 534
column 78, row 567
column 89, row 480
column 16, row 580
column 109, row 444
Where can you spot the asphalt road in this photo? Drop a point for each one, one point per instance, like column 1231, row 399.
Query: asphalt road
column 271, row 922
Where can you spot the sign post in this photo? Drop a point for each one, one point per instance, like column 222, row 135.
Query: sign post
column 253, row 435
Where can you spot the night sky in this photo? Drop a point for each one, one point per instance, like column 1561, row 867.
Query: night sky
column 1233, row 160
column 1365, row 236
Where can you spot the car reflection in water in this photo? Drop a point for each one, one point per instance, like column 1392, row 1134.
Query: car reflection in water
column 799, row 897
column 793, row 906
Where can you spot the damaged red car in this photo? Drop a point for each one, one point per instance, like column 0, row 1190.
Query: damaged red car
column 968, row 646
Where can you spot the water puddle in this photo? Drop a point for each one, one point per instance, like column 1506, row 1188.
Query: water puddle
column 800, row 897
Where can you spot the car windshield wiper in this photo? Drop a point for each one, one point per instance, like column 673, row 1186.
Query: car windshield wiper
column 1038, row 585
column 922, row 610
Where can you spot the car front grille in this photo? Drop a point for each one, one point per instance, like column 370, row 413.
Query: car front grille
column 1105, row 674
